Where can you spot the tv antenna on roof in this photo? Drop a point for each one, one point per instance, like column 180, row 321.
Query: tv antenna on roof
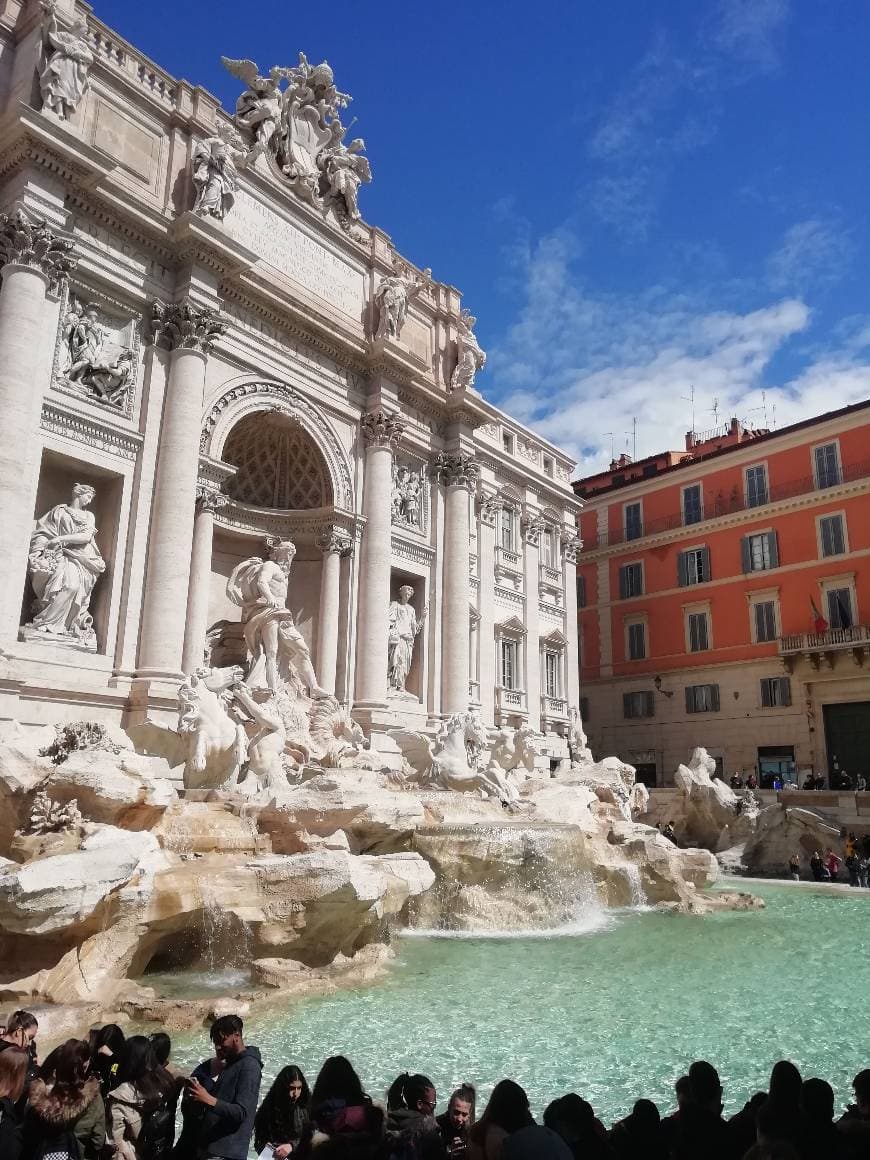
column 690, row 398
column 715, row 410
column 633, row 434
column 612, row 450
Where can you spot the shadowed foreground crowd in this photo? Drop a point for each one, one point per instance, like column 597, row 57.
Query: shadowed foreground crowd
column 111, row 1098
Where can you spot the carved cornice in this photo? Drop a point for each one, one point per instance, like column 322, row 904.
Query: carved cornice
column 382, row 429
column 92, row 431
column 417, row 553
column 335, row 539
column 27, row 240
column 456, row 470
column 208, row 500
column 185, row 325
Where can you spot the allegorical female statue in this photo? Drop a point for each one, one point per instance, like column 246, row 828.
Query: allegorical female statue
column 64, row 78
column 65, row 564
column 404, row 628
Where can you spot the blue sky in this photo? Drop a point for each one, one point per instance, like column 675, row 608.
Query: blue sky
column 636, row 197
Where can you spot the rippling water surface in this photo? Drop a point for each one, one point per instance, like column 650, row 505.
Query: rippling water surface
column 613, row 1008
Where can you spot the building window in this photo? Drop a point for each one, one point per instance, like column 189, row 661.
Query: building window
column 693, row 511
column 827, row 464
column 630, row 581
column 508, row 529
column 702, row 698
column 507, row 442
column 552, row 674
column 693, row 566
column 510, row 670
column 775, row 691
column 759, row 552
column 832, row 535
column 548, row 465
column 633, row 521
column 764, row 612
column 840, row 607
column 756, row 486
column 636, row 641
column 581, row 591
column 699, row 635
column 638, row 705
column 549, row 554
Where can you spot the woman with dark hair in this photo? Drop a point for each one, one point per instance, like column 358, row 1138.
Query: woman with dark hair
column 68, row 1117
column 19, row 1030
column 141, row 1106
column 14, row 1063
column 506, row 1112
column 162, row 1045
column 283, row 1115
column 106, row 1044
column 340, row 1108
column 411, row 1103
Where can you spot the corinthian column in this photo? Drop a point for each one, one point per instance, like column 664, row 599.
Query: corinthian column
column 189, row 332
column 334, row 544
column 381, row 432
column 33, row 258
column 458, row 473
column 207, row 503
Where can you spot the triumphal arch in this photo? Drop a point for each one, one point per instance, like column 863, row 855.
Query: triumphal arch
column 237, row 427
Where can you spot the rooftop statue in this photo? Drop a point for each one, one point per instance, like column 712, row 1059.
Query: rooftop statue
column 214, row 176
column 470, row 356
column 300, row 128
column 393, row 295
column 63, row 80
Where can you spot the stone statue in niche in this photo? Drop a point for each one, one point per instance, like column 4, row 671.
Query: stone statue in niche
column 470, row 357
column 392, row 297
column 63, row 79
column 65, row 564
column 407, row 496
column 404, row 629
column 277, row 647
column 94, row 358
column 215, row 178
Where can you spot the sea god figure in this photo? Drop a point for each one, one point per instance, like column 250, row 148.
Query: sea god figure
column 64, row 78
column 277, row 647
column 64, row 563
column 404, row 627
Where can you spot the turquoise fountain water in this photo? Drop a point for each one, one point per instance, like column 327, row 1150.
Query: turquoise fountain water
column 614, row 1009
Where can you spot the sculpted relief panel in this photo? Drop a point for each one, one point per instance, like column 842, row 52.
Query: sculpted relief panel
column 97, row 353
column 301, row 257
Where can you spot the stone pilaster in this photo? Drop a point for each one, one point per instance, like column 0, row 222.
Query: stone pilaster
column 382, row 432
column 334, row 544
column 571, row 546
column 189, row 332
column 207, row 503
column 458, row 473
column 531, row 529
column 489, row 509
column 34, row 259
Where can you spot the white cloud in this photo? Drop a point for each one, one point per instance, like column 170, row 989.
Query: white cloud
column 577, row 366
column 813, row 253
column 751, row 31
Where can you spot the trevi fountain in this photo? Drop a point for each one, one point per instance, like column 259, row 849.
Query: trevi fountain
column 288, row 632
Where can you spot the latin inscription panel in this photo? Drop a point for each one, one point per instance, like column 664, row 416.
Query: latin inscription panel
column 295, row 253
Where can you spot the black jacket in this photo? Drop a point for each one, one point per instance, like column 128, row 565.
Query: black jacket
column 10, row 1130
column 226, row 1129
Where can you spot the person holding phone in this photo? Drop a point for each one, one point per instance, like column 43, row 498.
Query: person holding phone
column 227, row 1122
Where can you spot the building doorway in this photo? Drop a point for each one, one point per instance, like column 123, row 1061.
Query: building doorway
column 775, row 763
column 847, row 740
column 647, row 772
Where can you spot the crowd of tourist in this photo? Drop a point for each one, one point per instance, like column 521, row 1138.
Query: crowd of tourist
column 826, row 867
column 116, row 1098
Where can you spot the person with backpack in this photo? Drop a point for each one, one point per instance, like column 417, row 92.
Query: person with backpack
column 66, row 1120
column 13, row 1080
column 141, row 1107
column 228, row 1121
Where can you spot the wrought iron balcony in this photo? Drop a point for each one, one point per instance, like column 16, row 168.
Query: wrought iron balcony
column 822, row 648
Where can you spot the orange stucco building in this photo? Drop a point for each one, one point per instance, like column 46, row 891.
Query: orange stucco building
column 724, row 601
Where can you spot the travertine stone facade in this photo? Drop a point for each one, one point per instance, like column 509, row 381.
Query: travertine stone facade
column 197, row 323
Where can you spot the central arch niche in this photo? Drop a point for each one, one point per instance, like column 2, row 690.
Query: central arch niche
column 280, row 465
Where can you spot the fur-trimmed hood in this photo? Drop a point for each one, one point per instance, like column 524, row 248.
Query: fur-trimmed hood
column 60, row 1109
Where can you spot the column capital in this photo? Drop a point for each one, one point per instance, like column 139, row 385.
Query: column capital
column 335, row 539
column 571, row 546
column 185, row 325
column 531, row 528
column 30, row 242
column 382, row 429
column 456, row 470
column 208, row 500
column 488, row 507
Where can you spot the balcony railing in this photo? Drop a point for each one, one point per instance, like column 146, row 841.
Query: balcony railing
column 554, row 708
column 724, row 505
column 551, row 577
column 830, row 640
column 511, row 701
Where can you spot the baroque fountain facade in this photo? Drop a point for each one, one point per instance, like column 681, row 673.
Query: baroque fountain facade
column 288, row 628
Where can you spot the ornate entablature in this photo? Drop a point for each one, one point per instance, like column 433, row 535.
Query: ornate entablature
column 258, row 395
column 96, row 433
